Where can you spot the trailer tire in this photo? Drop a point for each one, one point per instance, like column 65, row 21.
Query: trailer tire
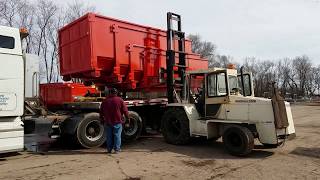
column 238, row 140
column 90, row 132
column 175, row 127
column 133, row 131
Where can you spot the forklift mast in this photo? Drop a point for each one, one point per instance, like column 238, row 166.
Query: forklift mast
column 176, row 86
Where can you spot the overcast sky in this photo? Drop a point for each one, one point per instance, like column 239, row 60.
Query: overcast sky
column 266, row 29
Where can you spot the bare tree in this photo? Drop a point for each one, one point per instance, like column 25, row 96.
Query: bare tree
column 196, row 43
column 264, row 74
column 317, row 79
column 302, row 67
column 46, row 11
column 50, row 18
column 285, row 76
column 311, row 82
column 204, row 48
column 60, row 20
column 77, row 9
column 222, row 61
column 43, row 19
column 25, row 19
column 9, row 9
column 2, row 8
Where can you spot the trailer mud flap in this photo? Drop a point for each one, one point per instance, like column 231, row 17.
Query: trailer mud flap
column 279, row 110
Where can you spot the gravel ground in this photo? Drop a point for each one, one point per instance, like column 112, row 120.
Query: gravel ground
column 152, row 158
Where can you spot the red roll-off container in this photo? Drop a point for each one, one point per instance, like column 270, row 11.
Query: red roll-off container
column 112, row 52
column 56, row 94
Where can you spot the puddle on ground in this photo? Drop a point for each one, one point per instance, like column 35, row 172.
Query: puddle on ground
column 38, row 140
column 38, row 143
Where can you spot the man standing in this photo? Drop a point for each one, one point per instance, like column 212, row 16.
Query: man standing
column 111, row 112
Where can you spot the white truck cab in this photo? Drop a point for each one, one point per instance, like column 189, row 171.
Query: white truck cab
column 11, row 90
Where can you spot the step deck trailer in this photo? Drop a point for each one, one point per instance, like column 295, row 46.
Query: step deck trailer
column 75, row 115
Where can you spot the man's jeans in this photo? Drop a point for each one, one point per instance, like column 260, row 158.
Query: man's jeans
column 113, row 137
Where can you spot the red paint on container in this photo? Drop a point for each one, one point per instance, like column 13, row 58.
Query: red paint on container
column 112, row 52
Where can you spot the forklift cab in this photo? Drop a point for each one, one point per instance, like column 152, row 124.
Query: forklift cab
column 209, row 89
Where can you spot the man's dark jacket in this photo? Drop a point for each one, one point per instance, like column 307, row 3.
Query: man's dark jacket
column 112, row 110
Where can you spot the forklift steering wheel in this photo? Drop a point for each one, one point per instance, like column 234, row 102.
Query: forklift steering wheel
column 199, row 89
column 198, row 94
column 234, row 91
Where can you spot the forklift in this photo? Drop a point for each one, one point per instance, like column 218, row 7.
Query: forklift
column 218, row 102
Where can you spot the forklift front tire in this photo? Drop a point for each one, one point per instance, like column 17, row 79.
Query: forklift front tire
column 175, row 126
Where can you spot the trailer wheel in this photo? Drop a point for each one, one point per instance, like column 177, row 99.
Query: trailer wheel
column 175, row 127
column 238, row 140
column 90, row 132
column 132, row 129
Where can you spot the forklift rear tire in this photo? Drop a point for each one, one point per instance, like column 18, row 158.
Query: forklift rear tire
column 175, row 127
column 90, row 132
column 238, row 140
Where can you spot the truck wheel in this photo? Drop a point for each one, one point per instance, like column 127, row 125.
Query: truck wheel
column 131, row 131
column 90, row 132
column 175, row 127
column 238, row 140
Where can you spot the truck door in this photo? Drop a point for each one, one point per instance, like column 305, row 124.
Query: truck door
column 11, row 73
column 246, row 87
column 217, row 92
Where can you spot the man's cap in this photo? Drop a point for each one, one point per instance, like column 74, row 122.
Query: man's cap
column 113, row 91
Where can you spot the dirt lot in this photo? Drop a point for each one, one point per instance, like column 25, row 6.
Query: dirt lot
column 152, row 158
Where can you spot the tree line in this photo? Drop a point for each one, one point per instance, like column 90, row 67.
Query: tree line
column 296, row 77
column 42, row 19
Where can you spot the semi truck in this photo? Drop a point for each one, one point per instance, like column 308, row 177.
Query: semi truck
column 165, row 86
column 12, row 89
